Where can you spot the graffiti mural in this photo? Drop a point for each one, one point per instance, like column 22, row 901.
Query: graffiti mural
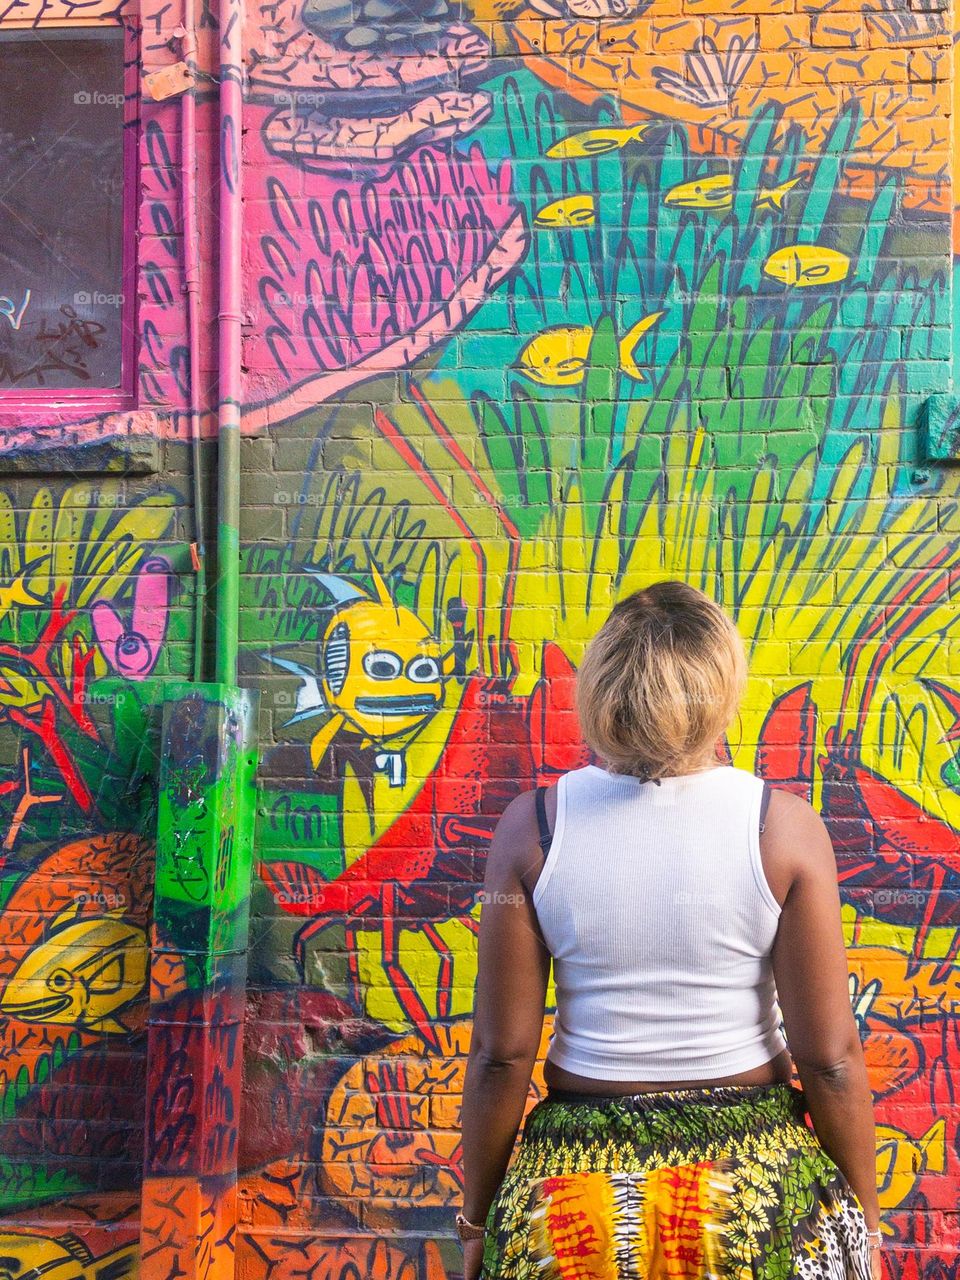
column 712, row 70
column 68, row 558
column 707, row 360
column 541, row 302
column 89, row 591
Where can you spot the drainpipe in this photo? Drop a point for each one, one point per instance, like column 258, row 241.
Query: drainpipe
column 230, row 320
column 205, row 822
column 191, row 275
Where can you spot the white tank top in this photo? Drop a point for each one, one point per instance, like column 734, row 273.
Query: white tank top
column 655, row 908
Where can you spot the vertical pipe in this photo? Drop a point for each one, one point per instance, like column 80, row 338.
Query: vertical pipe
column 191, row 278
column 229, row 355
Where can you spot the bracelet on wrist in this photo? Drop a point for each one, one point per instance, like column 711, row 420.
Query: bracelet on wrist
column 875, row 1239
column 469, row 1230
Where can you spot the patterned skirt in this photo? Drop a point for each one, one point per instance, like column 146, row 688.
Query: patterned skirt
column 726, row 1183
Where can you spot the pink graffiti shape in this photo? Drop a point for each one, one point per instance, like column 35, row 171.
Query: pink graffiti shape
column 132, row 651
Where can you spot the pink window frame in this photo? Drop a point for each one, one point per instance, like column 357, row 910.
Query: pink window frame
column 108, row 399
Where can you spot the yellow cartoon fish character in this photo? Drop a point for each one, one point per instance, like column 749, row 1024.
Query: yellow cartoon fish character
column 558, row 356
column 902, row 1160
column 716, row 192
column 62, row 1257
column 82, row 975
column 572, row 211
column 807, row 265
column 772, row 197
column 597, row 142
column 380, row 672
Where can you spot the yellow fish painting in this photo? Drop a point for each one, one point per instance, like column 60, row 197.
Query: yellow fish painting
column 63, row 1257
column 806, row 265
column 597, row 142
column 772, row 197
column 558, row 356
column 85, row 971
column 381, row 673
column 572, row 211
column 716, row 192
column 901, row 1160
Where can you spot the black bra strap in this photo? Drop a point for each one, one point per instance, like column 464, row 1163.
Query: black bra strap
column 764, row 801
column 545, row 835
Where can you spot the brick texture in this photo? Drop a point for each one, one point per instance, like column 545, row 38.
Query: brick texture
column 541, row 303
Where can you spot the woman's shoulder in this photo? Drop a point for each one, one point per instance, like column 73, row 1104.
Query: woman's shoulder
column 788, row 796
column 795, row 842
column 516, row 849
column 789, row 803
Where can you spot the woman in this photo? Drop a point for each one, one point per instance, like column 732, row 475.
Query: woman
column 671, row 1141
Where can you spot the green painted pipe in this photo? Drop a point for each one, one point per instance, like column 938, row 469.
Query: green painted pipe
column 228, row 558
column 191, row 284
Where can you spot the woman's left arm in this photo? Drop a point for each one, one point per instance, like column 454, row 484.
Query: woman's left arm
column 514, row 968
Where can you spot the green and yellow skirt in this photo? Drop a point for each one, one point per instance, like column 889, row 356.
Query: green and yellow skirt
column 726, row 1183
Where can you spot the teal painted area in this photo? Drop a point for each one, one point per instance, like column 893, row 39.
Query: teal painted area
column 941, row 430
column 761, row 365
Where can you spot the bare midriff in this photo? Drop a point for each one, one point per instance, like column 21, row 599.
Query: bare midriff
column 777, row 1071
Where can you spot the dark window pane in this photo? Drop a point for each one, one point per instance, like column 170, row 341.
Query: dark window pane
column 61, row 208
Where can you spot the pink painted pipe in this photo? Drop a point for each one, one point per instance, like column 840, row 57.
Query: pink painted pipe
column 229, row 334
column 191, row 281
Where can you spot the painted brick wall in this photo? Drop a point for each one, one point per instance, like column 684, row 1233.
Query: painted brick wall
column 542, row 303
column 96, row 616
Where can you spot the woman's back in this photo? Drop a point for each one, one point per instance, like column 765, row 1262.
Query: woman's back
column 654, row 905
column 671, row 1138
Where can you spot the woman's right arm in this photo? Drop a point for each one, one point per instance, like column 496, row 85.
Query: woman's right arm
column 812, row 977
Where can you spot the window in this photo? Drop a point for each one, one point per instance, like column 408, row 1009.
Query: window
column 66, row 304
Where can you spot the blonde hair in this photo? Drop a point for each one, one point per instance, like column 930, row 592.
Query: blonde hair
column 661, row 681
